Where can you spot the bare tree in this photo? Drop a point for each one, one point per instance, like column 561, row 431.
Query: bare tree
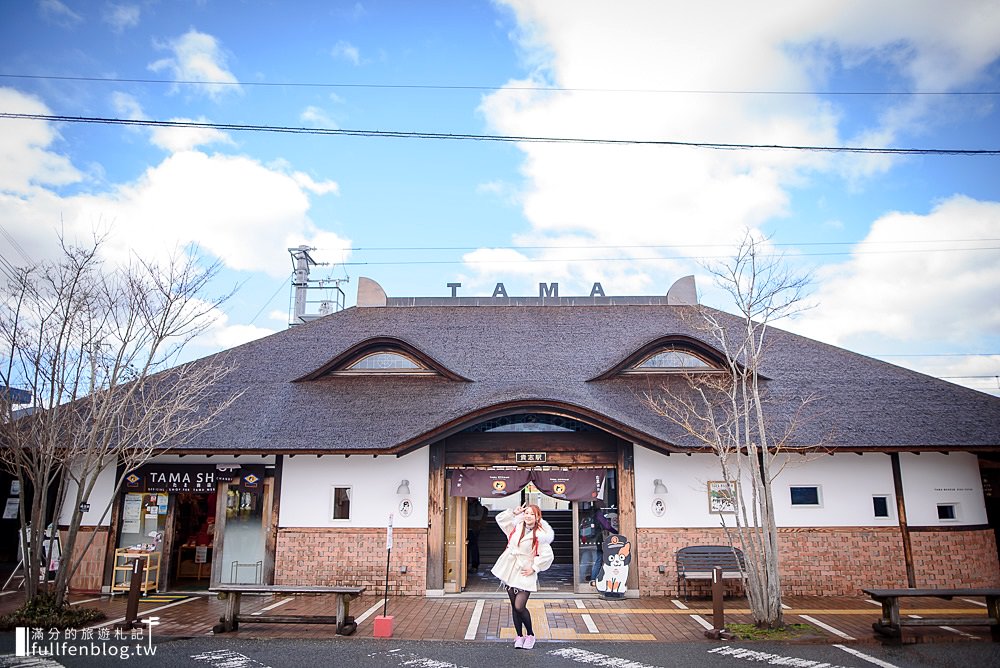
column 730, row 411
column 94, row 346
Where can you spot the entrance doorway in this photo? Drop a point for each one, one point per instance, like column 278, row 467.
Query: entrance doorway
column 474, row 541
column 192, row 541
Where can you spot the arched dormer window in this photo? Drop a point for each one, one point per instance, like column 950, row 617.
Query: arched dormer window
column 384, row 360
column 672, row 359
column 382, row 356
column 669, row 354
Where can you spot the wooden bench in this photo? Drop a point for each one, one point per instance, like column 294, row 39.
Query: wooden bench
column 231, row 620
column 891, row 623
column 698, row 561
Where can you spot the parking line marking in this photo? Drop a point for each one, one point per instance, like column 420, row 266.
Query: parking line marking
column 587, row 619
column 836, row 632
column 87, row 600
column 866, row 657
column 272, row 606
column 969, row 600
column 144, row 613
column 679, row 604
column 701, row 620
column 477, row 614
column 368, row 613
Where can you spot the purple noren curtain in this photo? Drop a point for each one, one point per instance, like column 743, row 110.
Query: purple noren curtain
column 574, row 485
column 488, row 484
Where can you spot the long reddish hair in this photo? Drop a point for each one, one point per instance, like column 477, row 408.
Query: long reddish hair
column 534, row 529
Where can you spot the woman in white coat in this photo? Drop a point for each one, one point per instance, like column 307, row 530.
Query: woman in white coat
column 529, row 551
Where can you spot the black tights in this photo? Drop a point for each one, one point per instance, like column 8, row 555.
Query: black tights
column 519, row 610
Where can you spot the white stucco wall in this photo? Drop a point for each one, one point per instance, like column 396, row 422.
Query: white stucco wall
column 933, row 478
column 685, row 478
column 99, row 500
column 847, row 484
column 307, row 482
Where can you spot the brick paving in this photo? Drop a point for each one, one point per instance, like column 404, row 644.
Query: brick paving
column 577, row 619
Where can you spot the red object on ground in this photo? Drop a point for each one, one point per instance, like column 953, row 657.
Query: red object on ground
column 383, row 626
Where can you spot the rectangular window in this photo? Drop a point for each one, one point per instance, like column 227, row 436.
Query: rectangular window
column 341, row 502
column 807, row 495
column 947, row 511
column 880, row 505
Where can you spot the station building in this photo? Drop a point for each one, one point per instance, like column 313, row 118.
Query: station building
column 415, row 406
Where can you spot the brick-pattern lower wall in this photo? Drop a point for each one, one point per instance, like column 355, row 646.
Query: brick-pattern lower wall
column 840, row 561
column 90, row 575
column 955, row 559
column 352, row 557
column 835, row 561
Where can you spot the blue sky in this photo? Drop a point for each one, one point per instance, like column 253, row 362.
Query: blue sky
column 634, row 218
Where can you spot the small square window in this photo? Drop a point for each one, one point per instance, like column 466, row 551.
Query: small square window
column 947, row 511
column 805, row 495
column 880, row 504
column 341, row 503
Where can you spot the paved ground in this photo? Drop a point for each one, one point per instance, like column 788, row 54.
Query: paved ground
column 584, row 619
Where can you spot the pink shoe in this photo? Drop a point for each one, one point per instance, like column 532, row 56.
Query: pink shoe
column 529, row 642
column 519, row 643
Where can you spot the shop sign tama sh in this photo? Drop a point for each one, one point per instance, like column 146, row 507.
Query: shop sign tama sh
column 185, row 478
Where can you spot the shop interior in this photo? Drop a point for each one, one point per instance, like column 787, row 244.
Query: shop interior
column 192, row 540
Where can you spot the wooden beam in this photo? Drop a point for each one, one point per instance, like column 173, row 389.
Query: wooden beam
column 435, row 516
column 222, row 490
column 271, row 542
column 897, row 481
column 114, row 528
column 626, row 507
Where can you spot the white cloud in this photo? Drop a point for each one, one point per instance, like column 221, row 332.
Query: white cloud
column 346, row 51
column 317, row 117
column 121, row 17
column 235, row 208
column 316, row 187
column 227, row 336
column 668, row 195
column 184, row 139
column 197, row 57
column 892, row 289
column 127, row 106
column 26, row 155
column 59, row 13
column 171, row 139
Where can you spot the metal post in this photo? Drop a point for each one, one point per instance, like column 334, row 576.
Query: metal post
column 718, row 614
column 718, row 592
column 135, row 587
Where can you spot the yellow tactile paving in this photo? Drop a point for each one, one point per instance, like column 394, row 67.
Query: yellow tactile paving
column 738, row 611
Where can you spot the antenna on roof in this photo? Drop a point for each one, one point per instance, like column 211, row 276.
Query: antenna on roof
column 330, row 298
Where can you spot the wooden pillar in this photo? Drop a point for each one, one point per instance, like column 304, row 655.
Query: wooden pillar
column 114, row 527
column 221, row 493
column 435, row 517
column 904, row 530
column 271, row 540
column 626, row 508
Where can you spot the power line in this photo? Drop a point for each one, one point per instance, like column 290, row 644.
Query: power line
column 391, row 134
column 642, row 259
column 939, row 355
column 554, row 89
column 648, row 246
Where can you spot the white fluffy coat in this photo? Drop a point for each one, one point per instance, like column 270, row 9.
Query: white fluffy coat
column 521, row 553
